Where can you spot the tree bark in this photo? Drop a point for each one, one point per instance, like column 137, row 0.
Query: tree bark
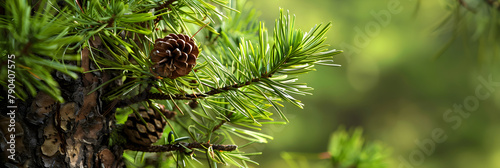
column 70, row 134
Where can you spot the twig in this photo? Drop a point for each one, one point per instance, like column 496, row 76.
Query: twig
column 79, row 5
column 179, row 147
column 222, row 122
column 165, row 5
column 161, row 7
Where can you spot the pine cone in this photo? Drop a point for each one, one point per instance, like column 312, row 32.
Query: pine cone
column 145, row 134
column 174, row 55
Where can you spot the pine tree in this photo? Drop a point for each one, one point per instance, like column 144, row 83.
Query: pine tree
column 96, row 80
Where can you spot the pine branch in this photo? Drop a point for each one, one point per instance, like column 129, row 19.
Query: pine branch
column 179, row 147
column 146, row 95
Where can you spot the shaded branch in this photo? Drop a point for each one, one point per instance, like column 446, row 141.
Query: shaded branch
column 179, row 147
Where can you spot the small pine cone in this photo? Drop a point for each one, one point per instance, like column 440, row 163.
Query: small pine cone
column 142, row 134
column 174, row 55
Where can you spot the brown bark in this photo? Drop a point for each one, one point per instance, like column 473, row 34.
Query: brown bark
column 70, row 134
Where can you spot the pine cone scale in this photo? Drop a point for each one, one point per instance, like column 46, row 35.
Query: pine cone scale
column 188, row 48
column 151, row 127
column 181, row 43
column 173, row 43
column 191, row 59
column 152, row 138
column 158, row 124
column 141, row 128
column 182, row 58
column 195, row 51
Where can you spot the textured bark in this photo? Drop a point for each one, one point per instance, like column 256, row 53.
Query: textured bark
column 70, row 134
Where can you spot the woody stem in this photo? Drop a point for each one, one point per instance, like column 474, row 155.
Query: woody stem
column 179, row 147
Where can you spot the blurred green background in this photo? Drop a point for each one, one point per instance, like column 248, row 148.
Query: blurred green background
column 393, row 86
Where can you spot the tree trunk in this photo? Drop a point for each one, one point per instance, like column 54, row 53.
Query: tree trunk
column 70, row 134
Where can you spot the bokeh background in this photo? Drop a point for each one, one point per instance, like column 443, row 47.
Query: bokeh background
column 396, row 86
